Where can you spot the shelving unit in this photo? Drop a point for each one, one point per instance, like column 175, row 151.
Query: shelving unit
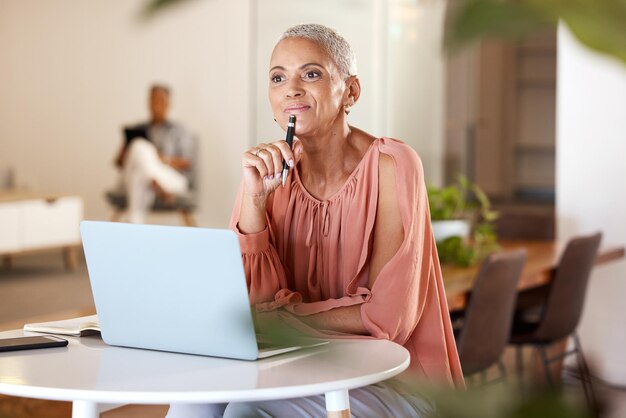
column 532, row 118
column 500, row 131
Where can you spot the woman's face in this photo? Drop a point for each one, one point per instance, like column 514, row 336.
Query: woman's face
column 305, row 82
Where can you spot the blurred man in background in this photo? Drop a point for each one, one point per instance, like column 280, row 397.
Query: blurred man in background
column 156, row 158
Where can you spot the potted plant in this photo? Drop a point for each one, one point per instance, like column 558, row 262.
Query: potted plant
column 462, row 221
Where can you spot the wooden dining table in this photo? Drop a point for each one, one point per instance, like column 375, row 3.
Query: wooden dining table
column 541, row 262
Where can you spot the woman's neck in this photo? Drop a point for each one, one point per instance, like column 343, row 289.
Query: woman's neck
column 330, row 158
column 323, row 151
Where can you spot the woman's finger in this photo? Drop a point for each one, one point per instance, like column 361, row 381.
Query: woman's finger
column 266, row 155
column 287, row 153
column 268, row 158
column 250, row 160
column 297, row 151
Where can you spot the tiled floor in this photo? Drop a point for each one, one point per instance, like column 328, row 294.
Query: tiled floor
column 38, row 288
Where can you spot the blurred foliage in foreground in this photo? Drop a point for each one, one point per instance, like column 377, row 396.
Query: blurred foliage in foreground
column 501, row 400
column 505, row 401
column 599, row 24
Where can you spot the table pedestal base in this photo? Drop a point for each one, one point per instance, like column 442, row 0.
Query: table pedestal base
column 338, row 404
column 85, row 409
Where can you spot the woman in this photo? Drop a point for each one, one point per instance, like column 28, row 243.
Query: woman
column 346, row 245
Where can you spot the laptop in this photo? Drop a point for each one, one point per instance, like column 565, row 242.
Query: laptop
column 176, row 289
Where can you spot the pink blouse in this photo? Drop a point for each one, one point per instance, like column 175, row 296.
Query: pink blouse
column 315, row 257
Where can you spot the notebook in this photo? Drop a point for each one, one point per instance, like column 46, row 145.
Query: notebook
column 175, row 289
column 74, row 327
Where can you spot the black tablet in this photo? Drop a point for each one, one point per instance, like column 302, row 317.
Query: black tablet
column 135, row 132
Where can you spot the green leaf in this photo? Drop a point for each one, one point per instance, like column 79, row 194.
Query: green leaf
column 601, row 24
column 451, row 202
column 445, row 203
column 598, row 24
column 449, row 249
column 453, row 250
column 153, row 7
column 478, row 19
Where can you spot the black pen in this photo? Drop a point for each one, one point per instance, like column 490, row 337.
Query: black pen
column 291, row 128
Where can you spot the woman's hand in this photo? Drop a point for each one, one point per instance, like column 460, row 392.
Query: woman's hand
column 262, row 170
column 263, row 166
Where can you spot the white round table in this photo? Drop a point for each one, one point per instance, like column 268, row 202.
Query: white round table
column 88, row 372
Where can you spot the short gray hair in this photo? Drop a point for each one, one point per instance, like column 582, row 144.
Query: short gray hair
column 335, row 45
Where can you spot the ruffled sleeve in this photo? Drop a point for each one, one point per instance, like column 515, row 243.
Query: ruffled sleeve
column 265, row 273
column 408, row 303
column 400, row 292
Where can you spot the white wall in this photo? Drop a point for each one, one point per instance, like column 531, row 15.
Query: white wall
column 591, row 180
column 416, row 80
column 72, row 73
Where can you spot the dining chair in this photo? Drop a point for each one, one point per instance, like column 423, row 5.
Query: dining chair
column 486, row 323
column 558, row 316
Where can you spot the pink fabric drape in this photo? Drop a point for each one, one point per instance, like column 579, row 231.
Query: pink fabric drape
column 314, row 256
